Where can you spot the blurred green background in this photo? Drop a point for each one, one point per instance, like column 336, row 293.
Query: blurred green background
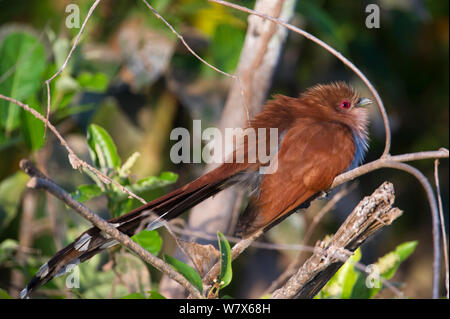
column 131, row 77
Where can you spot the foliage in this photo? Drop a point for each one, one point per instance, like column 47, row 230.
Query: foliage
column 226, row 272
column 104, row 155
column 187, row 271
column 350, row 282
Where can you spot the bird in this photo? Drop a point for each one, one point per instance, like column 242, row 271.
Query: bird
column 321, row 133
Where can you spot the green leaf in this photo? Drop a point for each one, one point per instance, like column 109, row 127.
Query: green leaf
column 32, row 128
column 102, row 148
column 349, row 275
column 11, row 189
column 149, row 183
column 134, row 295
column 389, row 263
column 86, row 192
column 187, row 271
column 22, row 52
column 152, row 182
column 97, row 82
column 150, row 240
column 226, row 272
column 155, row 295
column 342, row 283
column 384, row 268
column 4, row 294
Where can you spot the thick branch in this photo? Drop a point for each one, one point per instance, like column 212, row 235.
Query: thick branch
column 40, row 181
column 371, row 214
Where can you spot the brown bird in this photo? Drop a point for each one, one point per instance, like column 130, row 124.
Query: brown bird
column 321, row 134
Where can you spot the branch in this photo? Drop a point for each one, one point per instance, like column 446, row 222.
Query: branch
column 40, row 181
column 434, row 217
column 369, row 216
column 382, row 162
column 74, row 160
column 441, row 216
column 77, row 39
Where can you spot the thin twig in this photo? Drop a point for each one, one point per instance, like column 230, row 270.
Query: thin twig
column 231, row 239
column 75, row 161
column 77, row 38
column 441, row 216
column 183, row 41
column 381, row 162
column 332, row 51
column 434, row 217
column 38, row 181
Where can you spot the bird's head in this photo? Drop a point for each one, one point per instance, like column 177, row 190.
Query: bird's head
column 337, row 102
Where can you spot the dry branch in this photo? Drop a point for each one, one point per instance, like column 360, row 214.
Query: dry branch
column 40, row 181
column 442, row 220
column 370, row 215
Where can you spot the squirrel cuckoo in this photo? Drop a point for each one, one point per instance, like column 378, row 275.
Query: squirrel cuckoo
column 322, row 133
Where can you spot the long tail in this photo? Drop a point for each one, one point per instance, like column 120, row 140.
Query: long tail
column 92, row 241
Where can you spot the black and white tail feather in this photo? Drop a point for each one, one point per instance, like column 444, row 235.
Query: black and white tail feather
column 93, row 241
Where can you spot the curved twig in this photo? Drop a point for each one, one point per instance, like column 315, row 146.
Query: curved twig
column 77, row 39
column 187, row 46
column 75, row 161
column 441, row 216
column 434, row 216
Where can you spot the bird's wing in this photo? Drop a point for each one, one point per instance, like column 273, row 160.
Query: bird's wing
column 312, row 154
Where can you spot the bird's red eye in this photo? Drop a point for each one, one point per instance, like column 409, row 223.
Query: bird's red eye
column 345, row 104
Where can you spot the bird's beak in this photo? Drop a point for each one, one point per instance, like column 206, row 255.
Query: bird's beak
column 363, row 102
